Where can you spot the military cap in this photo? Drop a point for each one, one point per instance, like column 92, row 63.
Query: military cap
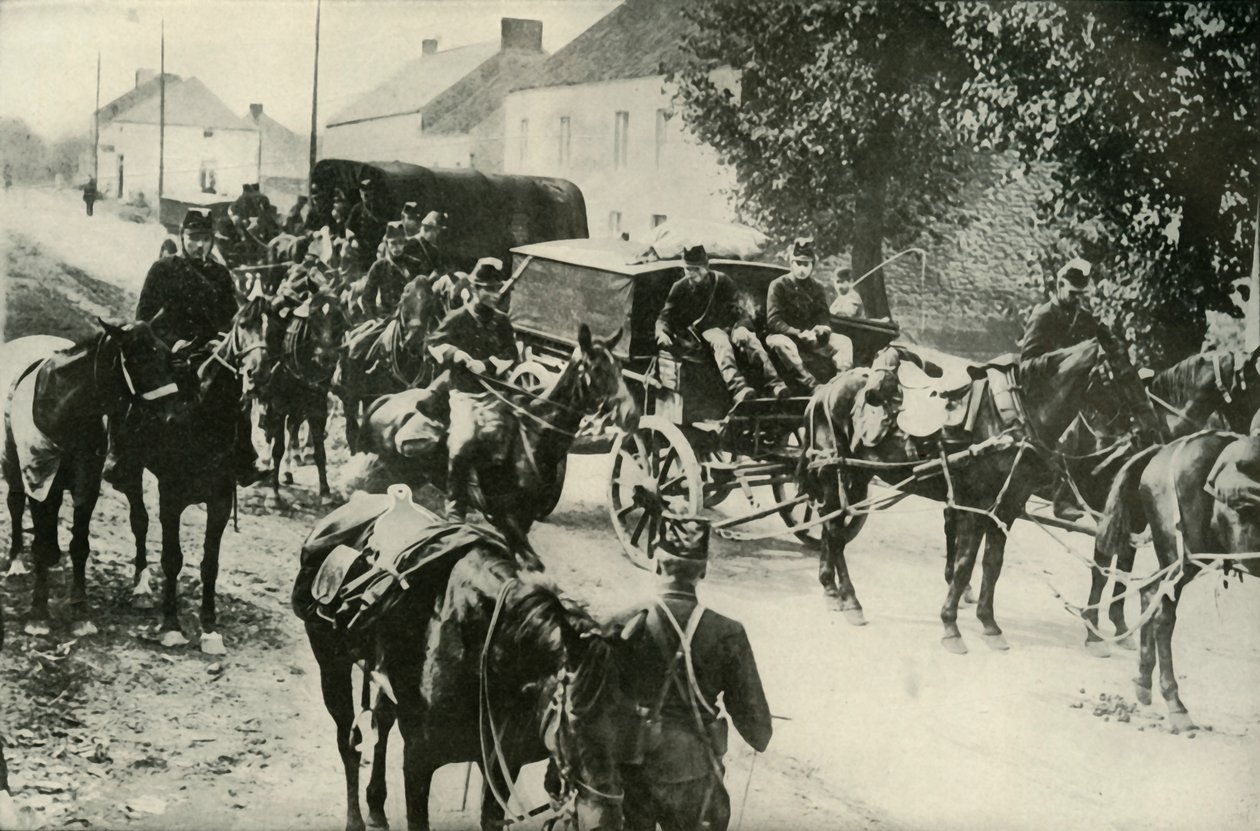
column 695, row 255
column 1076, row 272
column 410, row 210
column 394, row 232
column 803, row 248
column 198, row 220
column 435, row 219
column 487, row 273
column 686, row 538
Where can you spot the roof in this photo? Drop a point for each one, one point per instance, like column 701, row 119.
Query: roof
column 188, row 103
column 284, row 151
column 611, row 254
column 639, row 38
column 480, row 93
column 417, row 83
column 134, row 96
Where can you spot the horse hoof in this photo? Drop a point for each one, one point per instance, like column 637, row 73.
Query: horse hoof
column 172, row 639
column 83, row 628
column 378, row 823
column 1181, row 722
column 997, row 642
column 954, row 644
column 1128, row 643
column 1142, row 694
column 143, row 600
column 212, row 644
column 37, row 627
column 854, row 617
column 968, row 599
column 17, row 568
column 1098, row 649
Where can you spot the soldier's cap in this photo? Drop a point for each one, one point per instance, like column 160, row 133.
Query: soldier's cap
column 197, row 221
column 434, row 219
column 695, row 255
column 686, row 538
column 394, row 232
column 803, row 249
column 410, row 210
column 843, row 275
column 1076, row 272
column 487, row 273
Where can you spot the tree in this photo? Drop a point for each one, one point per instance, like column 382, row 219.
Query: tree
column 1149, row 114
column 63, row 158
column 843, row 121
column 21, row 149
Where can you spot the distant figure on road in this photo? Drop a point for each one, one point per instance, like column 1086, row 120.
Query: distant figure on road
column 89, row 194
column 8, row 176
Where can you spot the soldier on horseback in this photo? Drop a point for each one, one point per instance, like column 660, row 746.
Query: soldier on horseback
column 389, row 275
column 475, row 340
column 188, row 299
column 365, row 226
column 673, row 771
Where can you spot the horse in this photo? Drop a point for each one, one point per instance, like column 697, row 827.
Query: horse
column 1004, row 465
column 522, row 488
column 55, row 439
column 1201, row 509
column 386, row 357
column 303, row 351
column 486, row 665
column 1212, row 389
column 193, row 462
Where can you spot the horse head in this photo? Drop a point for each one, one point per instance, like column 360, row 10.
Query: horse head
column 326, row 328
column 249, row 344
column 146, row 368
column 416, row 314
column 594, row 382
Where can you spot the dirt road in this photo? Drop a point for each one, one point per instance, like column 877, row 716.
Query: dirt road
column 880, row 726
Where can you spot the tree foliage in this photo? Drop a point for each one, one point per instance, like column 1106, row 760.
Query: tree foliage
column 843, row 120
column 1149, row 112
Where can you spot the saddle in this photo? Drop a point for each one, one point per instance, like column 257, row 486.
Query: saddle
column 948, row 405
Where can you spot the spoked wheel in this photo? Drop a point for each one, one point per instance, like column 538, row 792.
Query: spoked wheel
column 553, row 494
column 718, row 480
column 654, row 464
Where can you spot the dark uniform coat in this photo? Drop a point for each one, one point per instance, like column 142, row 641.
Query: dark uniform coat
column 424, row 258
column 793, row 306
column 482, row 335
column 368, row 229
column 1052, row 327
column 388, row 279
column 707, row 304
column 196, row 299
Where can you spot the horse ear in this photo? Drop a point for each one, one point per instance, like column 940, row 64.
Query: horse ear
column 634, row 627
column 155, row 317
column 584, row 338
column 612, row 342
column 110, row 329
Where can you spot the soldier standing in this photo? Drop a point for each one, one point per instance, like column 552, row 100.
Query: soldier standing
column 673, row 775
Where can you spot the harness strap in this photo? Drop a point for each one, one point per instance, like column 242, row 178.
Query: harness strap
column 1220, row 382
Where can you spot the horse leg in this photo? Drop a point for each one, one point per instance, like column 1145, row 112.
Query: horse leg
column 46, row 553
column 80, row 548
column 1165, row 621
column 418, row 768
column 138, row 514
column 350, row 407
column 337, row 685
column 967, row 535
column 991, row 570
column 376, row 789
column 1146, row 649
column 169, row 512
column 835, row 574
column 1116, row 612
column 277, row 452
column 951, row 521
column 16, row 500
column 218, row 508
column 318, row 425
column 1097, row 583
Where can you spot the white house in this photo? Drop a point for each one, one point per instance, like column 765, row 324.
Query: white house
column 600, row 114
column 445, row 108
column 208, row 149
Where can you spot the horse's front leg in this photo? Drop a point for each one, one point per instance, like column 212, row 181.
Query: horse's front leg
column 87, row 491
column 138, row 515
column 492, row 813
column 967, row 536
column 169, row 512
column 45, row 552
column 8, row 812
column 218, row 507
column 994, row 555
column 1146, row 646
column 418, row 767
column 350, row 407
column 337, row 685
column 318, row 424
column 385, row 717
column 277, row 437
column 1118, row 592
column 834, row 573
column 16, row 500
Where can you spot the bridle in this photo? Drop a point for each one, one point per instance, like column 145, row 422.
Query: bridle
column 157, row 393
column 230, row 353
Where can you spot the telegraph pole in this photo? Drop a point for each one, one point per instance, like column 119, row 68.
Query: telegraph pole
column 314, row 98
column 162, row 118
column 1251, row 332
column 96, row 122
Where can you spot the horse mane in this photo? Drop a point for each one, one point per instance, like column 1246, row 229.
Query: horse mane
column 1179, row 382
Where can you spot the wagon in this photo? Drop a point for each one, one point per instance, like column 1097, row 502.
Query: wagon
column 691, row 450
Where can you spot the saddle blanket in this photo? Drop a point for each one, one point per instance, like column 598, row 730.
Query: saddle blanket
column 38, row 456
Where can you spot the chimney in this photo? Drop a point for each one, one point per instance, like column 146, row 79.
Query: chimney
column 517, row 33
column 143, row 76
column 428, row 46
column 255, row 111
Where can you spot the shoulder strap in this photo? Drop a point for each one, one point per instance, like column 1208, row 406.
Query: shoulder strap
column 685, row 637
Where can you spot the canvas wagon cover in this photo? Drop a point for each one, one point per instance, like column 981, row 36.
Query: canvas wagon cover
column 489, row 213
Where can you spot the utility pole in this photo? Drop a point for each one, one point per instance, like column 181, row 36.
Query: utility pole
column 162, row 118
column 96, row 122
column 1251, row 331
column 314, row 98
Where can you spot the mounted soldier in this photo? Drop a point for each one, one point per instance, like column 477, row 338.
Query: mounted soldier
column 475, row 340
column 188, row 300
column 388, row 276
column 673, row 770
column 704, row 307
column 319, row 211
column 799, row 321
column 365, row 226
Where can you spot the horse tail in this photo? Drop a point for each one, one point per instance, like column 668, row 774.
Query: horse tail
column 1122, row 515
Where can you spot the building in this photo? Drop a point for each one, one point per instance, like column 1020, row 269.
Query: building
column 445, row 108
column 284, row 158
column 600, row 113
column 208, row 149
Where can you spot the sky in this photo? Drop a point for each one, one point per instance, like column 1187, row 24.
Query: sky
column 245, row 51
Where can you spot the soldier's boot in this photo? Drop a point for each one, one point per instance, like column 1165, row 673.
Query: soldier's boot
column 247, row 469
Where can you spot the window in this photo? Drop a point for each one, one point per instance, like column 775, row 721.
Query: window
column 524, row 140
column 208, row 132
column 614, row 223
column 566, row 134
column 662, row 119
column 657, row 219
column 206, row 177
column 472, row 161
column 621, row 130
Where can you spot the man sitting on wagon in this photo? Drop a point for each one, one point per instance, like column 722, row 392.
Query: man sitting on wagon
column 474, row 340
column 799, row 320
column 704, row 306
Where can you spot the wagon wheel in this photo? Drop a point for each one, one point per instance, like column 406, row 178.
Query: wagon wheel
column 718, row 483
column 535, row 378
column 658, row 462
column 804, row 512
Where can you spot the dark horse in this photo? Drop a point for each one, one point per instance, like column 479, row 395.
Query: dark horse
column 514, row 493
column 385, row 356
column 1201, row 508
column 55, row 439
column 303, row 353
column 192, row 461
column 984, row 491
column 487, row 666
column 1218, row 388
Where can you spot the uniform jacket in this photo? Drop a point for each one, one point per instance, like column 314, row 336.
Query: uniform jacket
column 1052, row 327
column 424, row 258
column 196, row 299
column 793, row 306
column 709, row 303
column 389, row 279
column 367, row 228
column 481, row 336
column 724, row 665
